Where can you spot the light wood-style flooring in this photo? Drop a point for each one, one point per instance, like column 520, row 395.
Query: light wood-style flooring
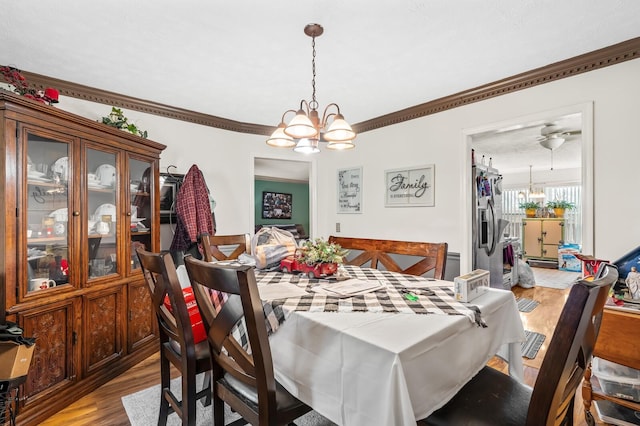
column 104, row 407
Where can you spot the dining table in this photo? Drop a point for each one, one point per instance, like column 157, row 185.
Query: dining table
column 387, row 350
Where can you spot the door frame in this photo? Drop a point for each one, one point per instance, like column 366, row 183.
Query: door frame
column 588, row 232
column 312, row 166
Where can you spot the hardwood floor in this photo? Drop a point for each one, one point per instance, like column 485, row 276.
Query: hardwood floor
column 104, row 407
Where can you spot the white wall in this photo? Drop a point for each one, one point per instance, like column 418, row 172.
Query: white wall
column 615, row 93
column 226, row 159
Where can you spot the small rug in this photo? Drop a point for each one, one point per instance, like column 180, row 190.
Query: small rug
column 526, row 305
column 142, row 408
column 554, row 278
column 531, row 346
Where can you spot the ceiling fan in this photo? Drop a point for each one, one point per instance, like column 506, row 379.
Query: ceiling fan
column 553, row 136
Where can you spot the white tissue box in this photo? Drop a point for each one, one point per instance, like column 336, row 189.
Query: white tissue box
column 468, row 287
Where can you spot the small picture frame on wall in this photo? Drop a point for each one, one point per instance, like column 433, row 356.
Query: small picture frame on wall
column 277, row 205
column 410, row 187
column 350, row 190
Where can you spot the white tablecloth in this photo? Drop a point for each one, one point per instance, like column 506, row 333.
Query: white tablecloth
column 391, row 369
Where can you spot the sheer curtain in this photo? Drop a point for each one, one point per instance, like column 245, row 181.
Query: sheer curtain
column 512, row 197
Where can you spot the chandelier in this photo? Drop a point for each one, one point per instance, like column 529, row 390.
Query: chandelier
column 306, row 129
column 534, row 194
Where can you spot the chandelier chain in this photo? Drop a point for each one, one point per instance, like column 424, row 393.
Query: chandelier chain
column 314, row 102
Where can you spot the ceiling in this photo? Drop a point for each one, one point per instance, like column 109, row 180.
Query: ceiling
column 513, row 149
column 249, row 60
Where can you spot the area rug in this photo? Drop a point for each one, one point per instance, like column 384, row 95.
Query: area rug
column 531, row 346
column 526, row 305
column 553, row 278
column 142, row 408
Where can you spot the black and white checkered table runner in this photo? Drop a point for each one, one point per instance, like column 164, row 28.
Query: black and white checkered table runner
column 431, row 300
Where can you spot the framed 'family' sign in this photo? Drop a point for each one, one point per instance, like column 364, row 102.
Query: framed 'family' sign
column 350, row 190
column 410, row 187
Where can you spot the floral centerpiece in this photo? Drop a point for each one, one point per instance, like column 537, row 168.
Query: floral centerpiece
column 315, row 258
column 321, row 251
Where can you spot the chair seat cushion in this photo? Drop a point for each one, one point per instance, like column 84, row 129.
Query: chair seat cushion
column 491, row 398
column 284, row 400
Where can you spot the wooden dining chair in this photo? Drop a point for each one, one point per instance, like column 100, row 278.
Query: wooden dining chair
column 240, row 243
column 494, row 398
column 242, row 377
column 426, row 256
column 177, row 345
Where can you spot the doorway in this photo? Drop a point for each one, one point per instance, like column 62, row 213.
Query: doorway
column 513, row 156
column 272, row 173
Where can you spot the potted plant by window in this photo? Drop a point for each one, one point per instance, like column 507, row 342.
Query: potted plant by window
column 530, row 208
column 559, row 206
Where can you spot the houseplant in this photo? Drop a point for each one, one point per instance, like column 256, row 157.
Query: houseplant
column 530, row 207
column 559, row 206
column 117, row 119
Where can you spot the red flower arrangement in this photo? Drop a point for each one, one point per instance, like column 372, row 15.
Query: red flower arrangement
column 16, row 79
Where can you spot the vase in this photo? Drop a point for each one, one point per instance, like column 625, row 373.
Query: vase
column 559, row 212
column 530, row 212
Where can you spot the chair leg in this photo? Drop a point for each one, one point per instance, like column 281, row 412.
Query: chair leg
column 218, row 411
column 189, row 398
column 206, row 385
column 165, row 380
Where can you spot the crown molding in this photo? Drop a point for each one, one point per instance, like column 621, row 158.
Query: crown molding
column 92, row 94
column 591, row 61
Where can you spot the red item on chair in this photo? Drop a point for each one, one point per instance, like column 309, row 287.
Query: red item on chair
column 199, row 333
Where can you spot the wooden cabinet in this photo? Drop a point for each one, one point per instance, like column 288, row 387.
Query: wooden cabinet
column 541, row 237
column 142, row 322
column 79, row 198
column 619, row 342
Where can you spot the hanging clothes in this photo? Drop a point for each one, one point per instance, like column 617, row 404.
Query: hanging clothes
column 508, row 254
column 193, row 211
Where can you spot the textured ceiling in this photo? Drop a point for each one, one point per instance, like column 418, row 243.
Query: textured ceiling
column 249, row 60
column 514, row 148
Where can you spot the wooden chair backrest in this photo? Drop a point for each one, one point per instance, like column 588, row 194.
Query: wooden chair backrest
column 254, row 367
column 431, row 256
column 241, row 243
column 569, row 351
column 162, row 281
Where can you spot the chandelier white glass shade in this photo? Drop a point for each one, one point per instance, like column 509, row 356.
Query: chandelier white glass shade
column 306, row 128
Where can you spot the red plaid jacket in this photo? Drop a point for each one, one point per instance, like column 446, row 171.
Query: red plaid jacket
column 193, row 210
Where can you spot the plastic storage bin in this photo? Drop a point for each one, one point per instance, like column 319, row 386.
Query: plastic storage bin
column 617, row 380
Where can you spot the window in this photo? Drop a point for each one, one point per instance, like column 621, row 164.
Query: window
column 512, row 197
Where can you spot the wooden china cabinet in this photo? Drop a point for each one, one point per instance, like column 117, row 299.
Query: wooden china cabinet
column 79, row 197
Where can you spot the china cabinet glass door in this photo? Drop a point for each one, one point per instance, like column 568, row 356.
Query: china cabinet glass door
column 102, row 207
column 48, row 204
column 141, row 209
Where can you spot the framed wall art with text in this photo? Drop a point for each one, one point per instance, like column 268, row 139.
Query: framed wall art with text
column 350, row 190
column 410, row 187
